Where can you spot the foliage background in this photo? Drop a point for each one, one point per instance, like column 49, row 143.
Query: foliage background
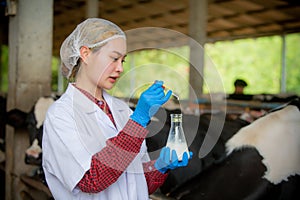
column 258, row 62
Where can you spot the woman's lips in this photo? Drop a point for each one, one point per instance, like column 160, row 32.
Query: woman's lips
column 113, row 78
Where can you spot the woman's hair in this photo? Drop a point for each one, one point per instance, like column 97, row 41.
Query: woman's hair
column 75, row 69
column 92, row 33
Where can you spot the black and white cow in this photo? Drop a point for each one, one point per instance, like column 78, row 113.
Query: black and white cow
column 197, row 126
column 15, row 118
column 19, row 119
column 156, row 139
column 262, row 162
column 35, row 120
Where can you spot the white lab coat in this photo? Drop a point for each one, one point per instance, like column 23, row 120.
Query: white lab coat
column 75, row 129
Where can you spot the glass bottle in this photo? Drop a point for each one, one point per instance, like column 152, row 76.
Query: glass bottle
column 176, row 139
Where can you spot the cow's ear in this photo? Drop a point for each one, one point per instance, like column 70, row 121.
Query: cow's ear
column 16, row 118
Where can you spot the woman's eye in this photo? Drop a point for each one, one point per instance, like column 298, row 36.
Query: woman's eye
column 118, row 58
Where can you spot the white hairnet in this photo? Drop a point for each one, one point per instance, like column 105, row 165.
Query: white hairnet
column 91, row 33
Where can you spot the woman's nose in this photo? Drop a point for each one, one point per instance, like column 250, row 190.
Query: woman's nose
column 119, row 67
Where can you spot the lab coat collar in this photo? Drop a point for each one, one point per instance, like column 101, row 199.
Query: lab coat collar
column 79, row 99
column 115, row 106
column 75, row 93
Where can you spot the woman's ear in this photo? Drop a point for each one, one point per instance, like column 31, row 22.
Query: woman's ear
column 84, row 52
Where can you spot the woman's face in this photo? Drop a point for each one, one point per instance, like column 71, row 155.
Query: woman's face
column 105, row 66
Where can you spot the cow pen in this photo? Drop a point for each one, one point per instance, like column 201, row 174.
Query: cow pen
column 34, row 31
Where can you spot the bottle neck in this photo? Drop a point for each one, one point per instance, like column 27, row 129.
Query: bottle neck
column 176, row 118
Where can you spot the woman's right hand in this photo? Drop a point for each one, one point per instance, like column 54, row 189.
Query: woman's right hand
column 149, row 103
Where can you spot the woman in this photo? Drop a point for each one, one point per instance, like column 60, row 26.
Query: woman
column 93, row 144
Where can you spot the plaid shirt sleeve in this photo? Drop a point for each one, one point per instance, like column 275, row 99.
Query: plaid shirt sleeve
column 108, row 164
column 154, row 178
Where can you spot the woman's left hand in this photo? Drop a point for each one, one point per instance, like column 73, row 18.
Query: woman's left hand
column 164, row 163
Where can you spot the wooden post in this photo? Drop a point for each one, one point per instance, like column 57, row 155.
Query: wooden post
column 92, row 8
column 283, row 65
column 197, row 31
column 30, row 52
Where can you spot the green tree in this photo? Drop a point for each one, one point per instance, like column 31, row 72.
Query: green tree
column 257, row 61
column 143, row 67
column 4, row 69
column 293, row 63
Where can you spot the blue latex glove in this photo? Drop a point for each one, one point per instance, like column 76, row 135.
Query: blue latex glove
column 163, row 163
column 149, row 103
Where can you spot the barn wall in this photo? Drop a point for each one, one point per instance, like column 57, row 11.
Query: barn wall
column 30, row 52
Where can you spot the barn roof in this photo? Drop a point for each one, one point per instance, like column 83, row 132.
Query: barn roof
column 226, row 20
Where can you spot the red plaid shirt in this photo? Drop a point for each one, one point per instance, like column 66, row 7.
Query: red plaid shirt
column 108, row 164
